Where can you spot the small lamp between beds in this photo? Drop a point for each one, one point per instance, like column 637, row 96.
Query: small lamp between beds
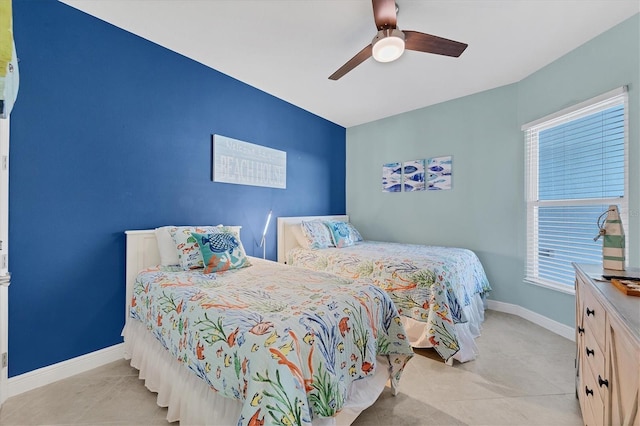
column 264, row 236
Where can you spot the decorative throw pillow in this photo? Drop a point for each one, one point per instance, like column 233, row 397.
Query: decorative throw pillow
column 235, row 231
column 166, row 246
column 317, row 234
column 355, row 235
column 340, row 233
column 221, row 251
column 296, row 230
column 186, row 245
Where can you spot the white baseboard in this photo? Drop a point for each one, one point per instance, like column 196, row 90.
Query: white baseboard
column 52, row 373
column 544, row 322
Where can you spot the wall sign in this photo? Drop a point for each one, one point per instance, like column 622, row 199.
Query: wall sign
column 245, row 163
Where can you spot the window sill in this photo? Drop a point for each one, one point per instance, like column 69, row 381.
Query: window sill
column 552, row 286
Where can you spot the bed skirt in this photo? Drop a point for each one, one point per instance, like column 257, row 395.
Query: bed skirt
column 467, row 331
column 190, row 401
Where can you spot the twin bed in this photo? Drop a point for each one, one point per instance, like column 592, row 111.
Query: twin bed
column 258, row 344
column 439, row 291
column 244, row 341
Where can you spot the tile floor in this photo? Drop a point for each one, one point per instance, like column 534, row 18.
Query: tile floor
column 523, row 376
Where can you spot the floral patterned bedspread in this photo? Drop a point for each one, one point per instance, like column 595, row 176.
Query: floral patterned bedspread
column 287, row 345
column 430, row 284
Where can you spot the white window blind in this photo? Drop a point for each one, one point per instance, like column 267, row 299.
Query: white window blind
column 576, row 166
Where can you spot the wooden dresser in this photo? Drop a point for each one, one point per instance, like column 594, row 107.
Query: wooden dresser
column 608, row 351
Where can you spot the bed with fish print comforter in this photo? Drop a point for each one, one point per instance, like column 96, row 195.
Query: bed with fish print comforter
column 438, row 286
column 287, row 345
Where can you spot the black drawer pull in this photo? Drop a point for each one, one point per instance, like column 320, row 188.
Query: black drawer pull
column 590, row 351
column 588, row 391
column 590, row 312
column 601, row 381
column 580, row 330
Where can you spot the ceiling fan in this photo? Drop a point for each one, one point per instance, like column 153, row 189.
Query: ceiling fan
column 390, row 42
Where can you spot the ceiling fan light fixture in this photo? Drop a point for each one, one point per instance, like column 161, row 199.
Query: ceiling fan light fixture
column 388, row 45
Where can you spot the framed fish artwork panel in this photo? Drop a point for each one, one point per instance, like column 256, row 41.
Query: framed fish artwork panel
column 439, row 173
column 392, row 177
column 413, row 175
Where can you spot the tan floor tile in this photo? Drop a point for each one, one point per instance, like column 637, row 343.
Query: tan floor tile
column 524, row 375
column 114, row 369
column 546, row 410
column 404, row 410
column 59, row 403
column 129, row 401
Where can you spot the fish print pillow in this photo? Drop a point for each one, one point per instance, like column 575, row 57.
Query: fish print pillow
column 355, row 235
column 188, row 251
column 221, row 251
column 316, row 234
column 340, row 233
column 189, row 255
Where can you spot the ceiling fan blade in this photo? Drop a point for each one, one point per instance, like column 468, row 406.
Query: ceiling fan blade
column 384, row 13
column 360, row 57
column 428, row 43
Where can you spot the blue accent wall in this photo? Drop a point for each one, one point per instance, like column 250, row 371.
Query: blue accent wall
column 111, row 132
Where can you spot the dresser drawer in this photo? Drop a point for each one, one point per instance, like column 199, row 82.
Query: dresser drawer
column 593, row 316
column 593, row 405
column 594, row 356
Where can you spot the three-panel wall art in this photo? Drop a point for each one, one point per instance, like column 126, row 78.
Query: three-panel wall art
column 431, row 174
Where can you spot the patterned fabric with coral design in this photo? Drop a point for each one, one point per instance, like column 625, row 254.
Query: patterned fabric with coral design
column 288, row 345
column 430, row 284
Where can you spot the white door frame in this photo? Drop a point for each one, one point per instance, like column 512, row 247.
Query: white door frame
column 4, row 256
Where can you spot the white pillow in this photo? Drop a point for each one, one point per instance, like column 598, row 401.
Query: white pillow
column 296, row 230
column 166, row 246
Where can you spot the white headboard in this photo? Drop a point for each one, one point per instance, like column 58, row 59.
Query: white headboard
column 142, row 252
column 287, row 239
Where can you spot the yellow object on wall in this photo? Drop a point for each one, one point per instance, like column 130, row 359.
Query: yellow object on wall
column 9, row 76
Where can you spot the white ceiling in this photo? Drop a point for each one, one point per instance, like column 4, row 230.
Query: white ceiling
column 288, row 48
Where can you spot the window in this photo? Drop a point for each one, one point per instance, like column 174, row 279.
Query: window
column 575, row 166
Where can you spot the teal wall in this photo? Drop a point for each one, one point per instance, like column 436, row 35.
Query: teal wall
column 485, row 210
